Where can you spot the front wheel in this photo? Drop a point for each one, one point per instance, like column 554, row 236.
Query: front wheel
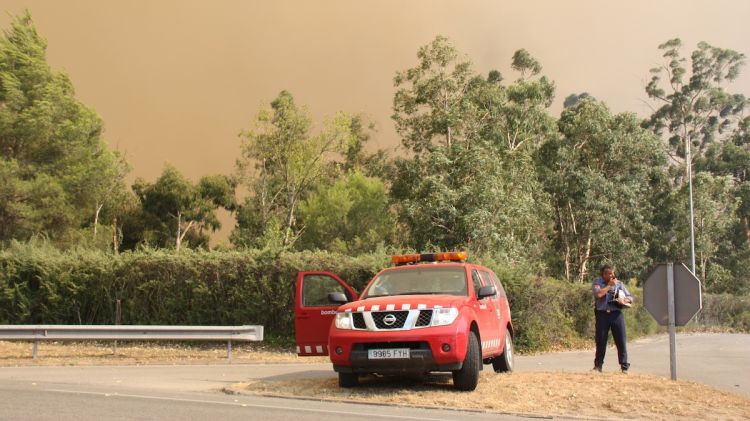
column 348, row 380
column 504, row 362
column 468, row 376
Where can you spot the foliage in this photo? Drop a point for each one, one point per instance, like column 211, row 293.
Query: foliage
column 705, row 124
column 58, row 175
column 694, row 112
column 715, row 207
column 351, row 216
column 281, row 163
column 174, row 210
column 470, row 181
column 598, row 174
column 41, row 285
column 725, row 310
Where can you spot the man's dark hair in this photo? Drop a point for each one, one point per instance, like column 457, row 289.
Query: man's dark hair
column 604, row 269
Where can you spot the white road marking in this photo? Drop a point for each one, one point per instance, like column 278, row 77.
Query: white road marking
column 252, row 405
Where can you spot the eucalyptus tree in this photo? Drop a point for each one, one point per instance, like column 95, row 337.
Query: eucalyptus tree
column 175, row 211
column 282, row 161
column 600, row 174
column 695, row 110
column 469, row 180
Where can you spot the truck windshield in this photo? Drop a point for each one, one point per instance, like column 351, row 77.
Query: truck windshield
column 418, row 281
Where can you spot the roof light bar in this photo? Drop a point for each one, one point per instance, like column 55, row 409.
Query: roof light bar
column 456, row 256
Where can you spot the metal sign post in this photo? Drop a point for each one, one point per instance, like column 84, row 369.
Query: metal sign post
column 672, row 329
column 672, row 294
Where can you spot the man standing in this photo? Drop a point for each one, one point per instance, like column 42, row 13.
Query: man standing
column 611, row 296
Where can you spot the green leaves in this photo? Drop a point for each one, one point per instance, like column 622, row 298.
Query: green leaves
column 599, row 175
column 281, row 163
column 351, row 216
column 62, row 175
column 175, row 210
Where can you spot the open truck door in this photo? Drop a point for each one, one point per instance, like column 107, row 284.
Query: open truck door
column 313, row 313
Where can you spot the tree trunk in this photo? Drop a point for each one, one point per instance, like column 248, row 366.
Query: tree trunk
column 289, row 222
column 184, row 233
column 115, row 245
column 96, row 218
column 178, row 237
column 585, row 260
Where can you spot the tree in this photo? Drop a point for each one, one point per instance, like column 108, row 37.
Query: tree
column 694, row 112
column 48, row 138
column 351, row 216
column 470, row 181
column 282, row 162
column 698, row 112
column 176, row 211
column 599, row 174
column 715, row 206
column 431, row 99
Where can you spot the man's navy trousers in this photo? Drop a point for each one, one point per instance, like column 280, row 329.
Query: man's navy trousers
column 614, row 320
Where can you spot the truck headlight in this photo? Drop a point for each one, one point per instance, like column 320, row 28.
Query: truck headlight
column 444, row 316
column 343, row 321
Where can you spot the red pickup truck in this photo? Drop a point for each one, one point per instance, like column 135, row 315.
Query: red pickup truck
column 429, row 312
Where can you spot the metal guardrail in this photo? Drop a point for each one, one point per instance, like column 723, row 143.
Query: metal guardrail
column 36, row 333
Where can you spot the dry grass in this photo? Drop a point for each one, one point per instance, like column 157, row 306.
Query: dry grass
column 91, row 353
column 596, row 395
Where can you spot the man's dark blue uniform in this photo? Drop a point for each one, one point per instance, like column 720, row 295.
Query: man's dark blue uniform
column 609, row 316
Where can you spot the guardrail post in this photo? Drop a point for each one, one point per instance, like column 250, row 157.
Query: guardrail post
column 34, row 349
column 118, row 317
column 229, row 350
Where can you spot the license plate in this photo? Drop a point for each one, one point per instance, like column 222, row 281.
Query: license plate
column 388, row 354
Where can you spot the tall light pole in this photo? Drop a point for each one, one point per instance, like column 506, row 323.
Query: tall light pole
column 689, row 164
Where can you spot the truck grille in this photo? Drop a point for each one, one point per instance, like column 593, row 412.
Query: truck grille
column 425, row 316
column 359, row 321
column 390, row 319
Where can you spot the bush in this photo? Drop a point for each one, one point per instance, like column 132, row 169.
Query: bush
column 726, row 310
column 41, row 285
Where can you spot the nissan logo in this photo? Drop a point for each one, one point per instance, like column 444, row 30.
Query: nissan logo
column 389, row 319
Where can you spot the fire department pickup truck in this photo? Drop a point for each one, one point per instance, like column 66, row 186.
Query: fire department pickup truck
column 429, row 312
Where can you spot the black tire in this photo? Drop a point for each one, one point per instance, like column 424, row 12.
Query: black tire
column 348, row 380
column 467, row 377
column 503, row 363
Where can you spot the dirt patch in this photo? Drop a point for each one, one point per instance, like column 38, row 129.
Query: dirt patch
column 90, row 353
column 594, row 395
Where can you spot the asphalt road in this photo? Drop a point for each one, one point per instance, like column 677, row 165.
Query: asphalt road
column 194, row 392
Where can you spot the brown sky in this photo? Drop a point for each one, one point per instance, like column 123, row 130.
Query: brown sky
column 175, row 81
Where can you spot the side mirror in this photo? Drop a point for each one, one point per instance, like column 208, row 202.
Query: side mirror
column 337, row 298
column 488, row 291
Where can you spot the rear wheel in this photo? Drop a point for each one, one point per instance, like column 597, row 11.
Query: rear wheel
column 348, row 380
column 504, row 362
column 468, row 376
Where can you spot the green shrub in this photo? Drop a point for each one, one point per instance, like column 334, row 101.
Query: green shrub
column 41, row 285
column 725, row 310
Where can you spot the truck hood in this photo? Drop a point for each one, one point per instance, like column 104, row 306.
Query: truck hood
column 404, row 302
